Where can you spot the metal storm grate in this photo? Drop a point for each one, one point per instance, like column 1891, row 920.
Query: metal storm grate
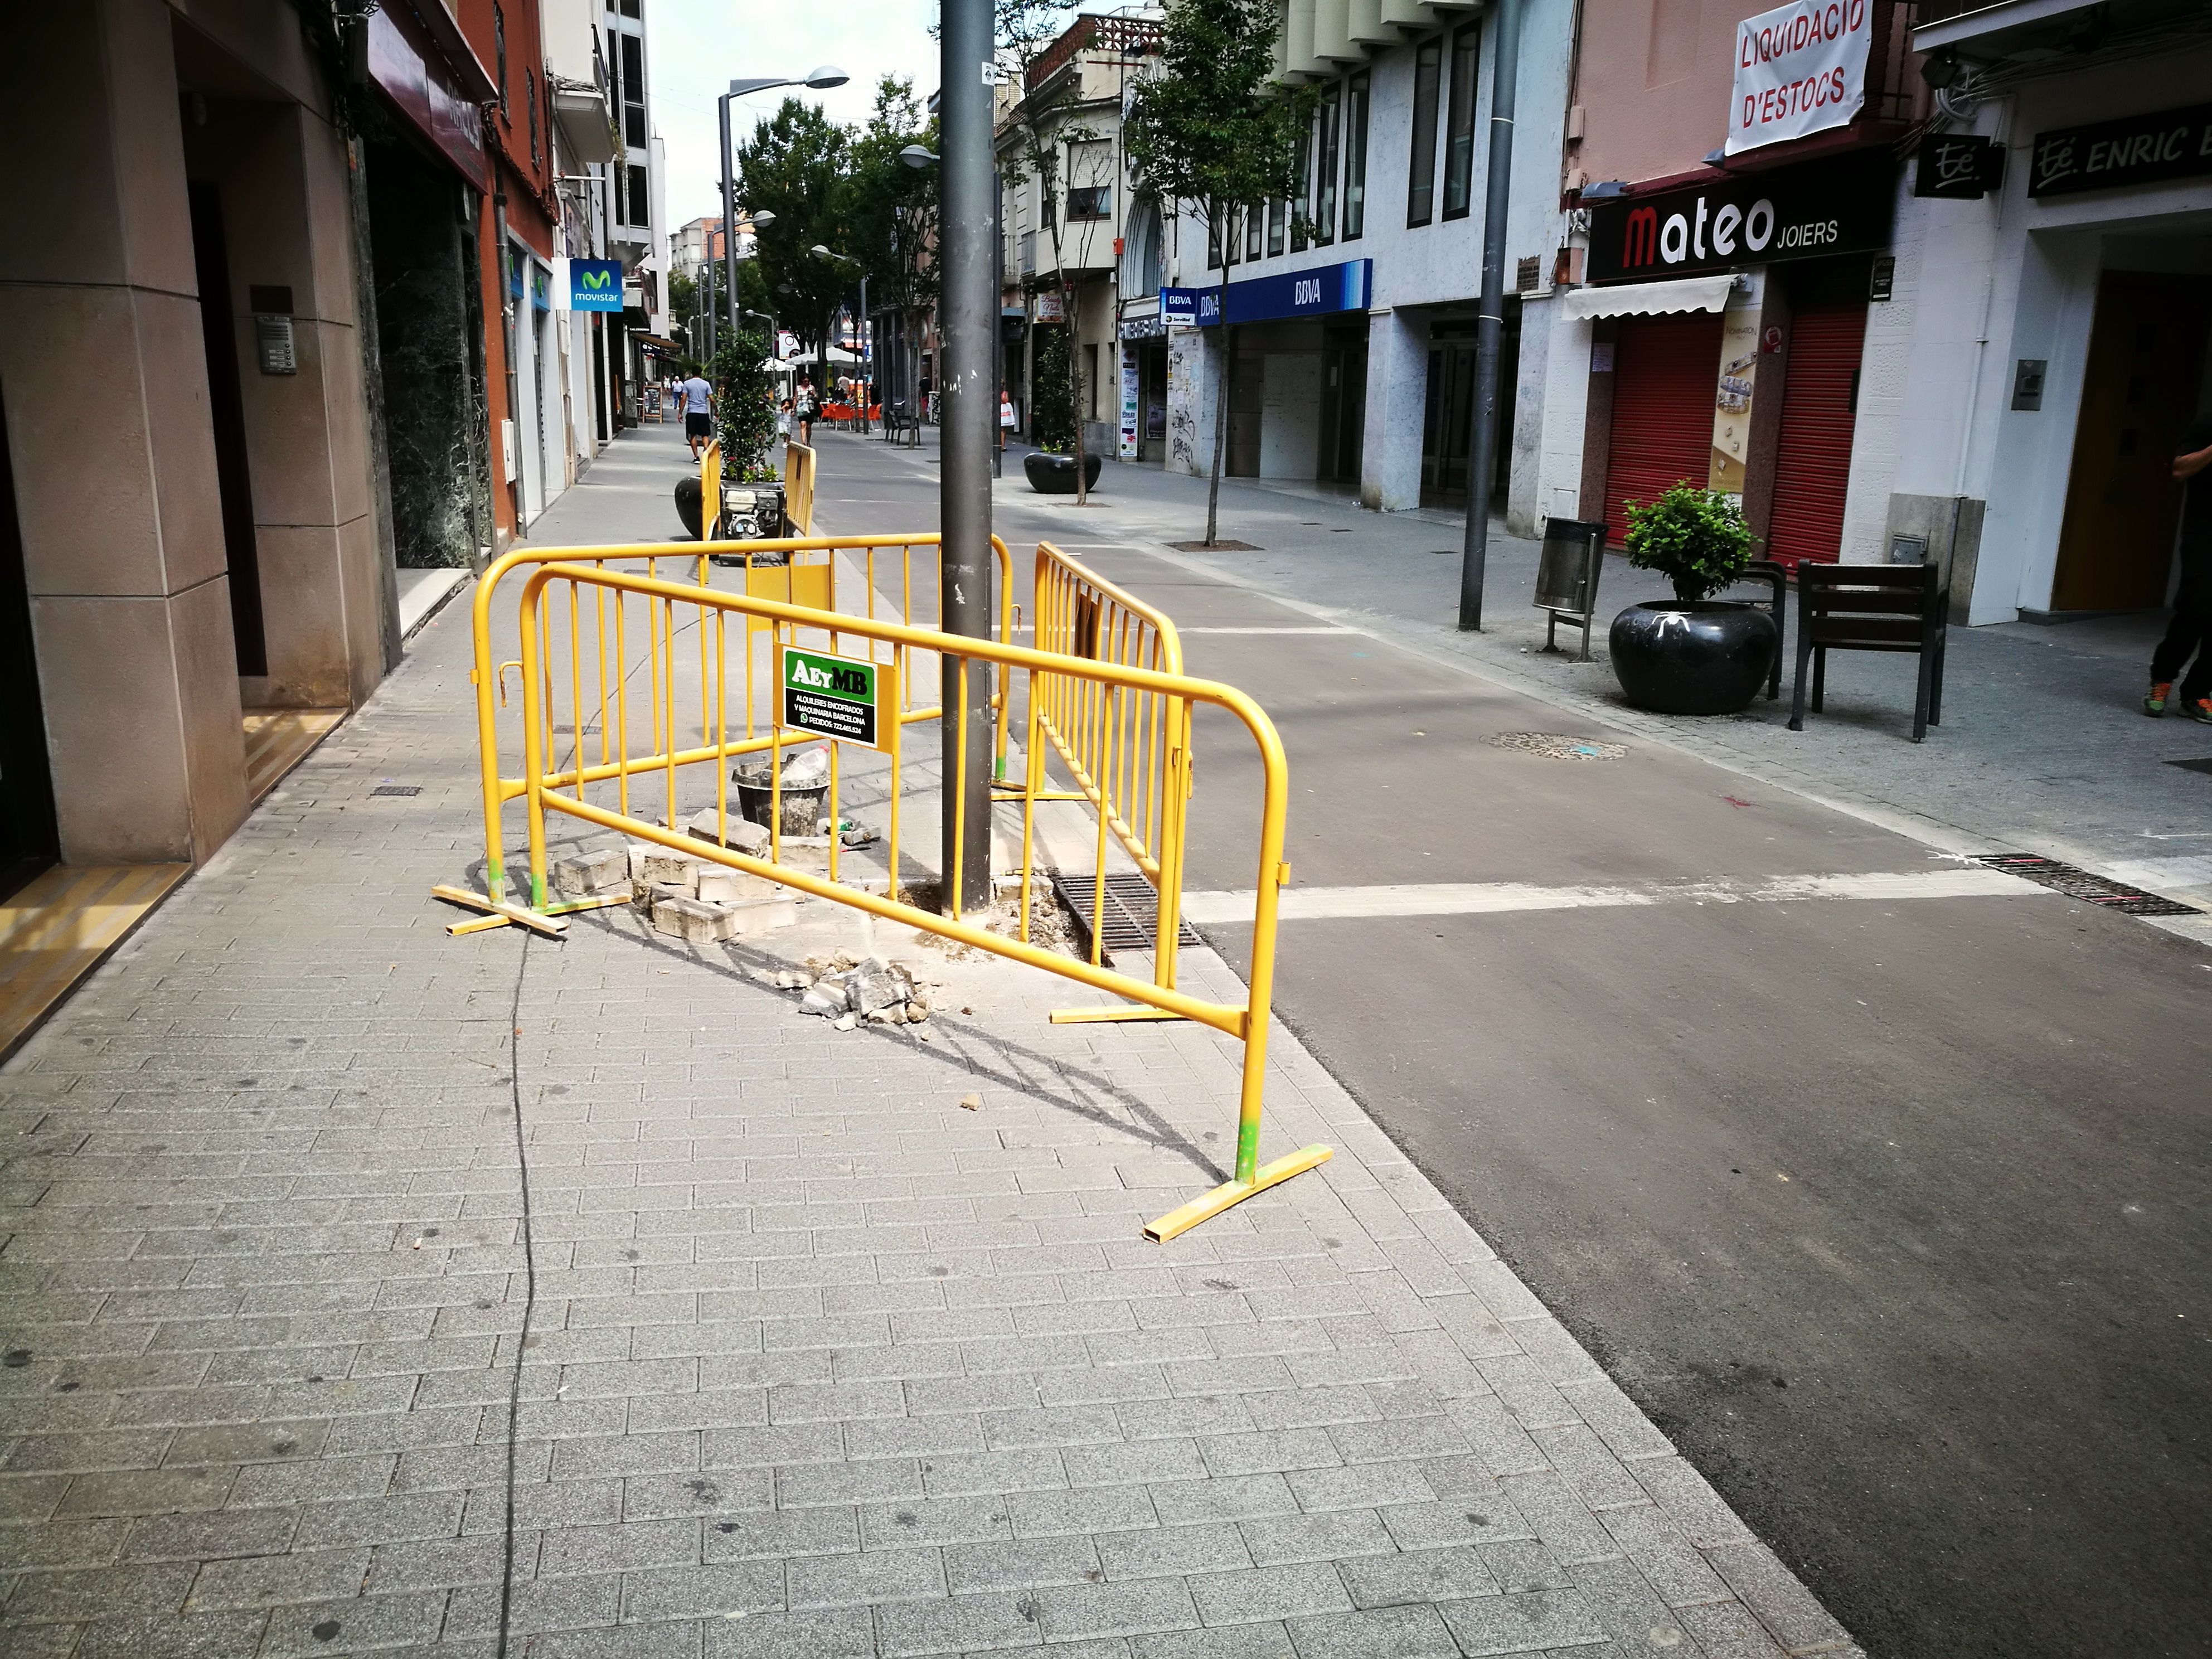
column 1553, row 746
column 397, row 789
column 1133, row 909
column 2081, row 885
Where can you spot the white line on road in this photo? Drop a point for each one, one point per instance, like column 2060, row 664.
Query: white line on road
column 1481, row 898
column 1268, row 630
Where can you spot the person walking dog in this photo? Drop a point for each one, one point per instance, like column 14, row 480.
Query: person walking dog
column 2191, row 631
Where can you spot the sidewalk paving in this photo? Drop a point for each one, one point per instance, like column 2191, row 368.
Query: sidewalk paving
column 2043, row 747
column 368, row 1289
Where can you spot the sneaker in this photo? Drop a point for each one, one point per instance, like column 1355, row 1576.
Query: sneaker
column 2199, row 710
column 2154, row 699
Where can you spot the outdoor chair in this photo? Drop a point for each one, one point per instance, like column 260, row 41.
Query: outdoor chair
column 1872, row 607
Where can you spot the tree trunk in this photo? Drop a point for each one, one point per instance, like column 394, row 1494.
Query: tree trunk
column 1075, row 379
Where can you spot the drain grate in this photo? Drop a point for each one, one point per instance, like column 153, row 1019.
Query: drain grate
column 1553, row 746
column 397, row 789
column 2081, row 885
column 1132, row 910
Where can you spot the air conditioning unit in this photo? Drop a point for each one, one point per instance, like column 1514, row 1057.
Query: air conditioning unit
column 509, row 468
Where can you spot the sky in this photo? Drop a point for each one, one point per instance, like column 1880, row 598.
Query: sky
column 695, row 48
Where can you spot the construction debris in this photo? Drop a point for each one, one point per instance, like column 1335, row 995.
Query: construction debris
column 588, row 875
column 694, row 923
column 846, row 991
column 728, row 829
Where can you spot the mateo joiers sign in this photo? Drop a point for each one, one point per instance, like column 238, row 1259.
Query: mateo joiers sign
column 1804, row 212
column 827, row 696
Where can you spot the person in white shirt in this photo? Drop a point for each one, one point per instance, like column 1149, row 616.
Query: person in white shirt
column 698, row 399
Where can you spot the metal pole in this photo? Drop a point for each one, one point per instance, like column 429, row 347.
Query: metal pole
column 729, row 221
column 998, row 328
column 867, row 355
column 1482, row 461
column 970, row 221
column 706, row 271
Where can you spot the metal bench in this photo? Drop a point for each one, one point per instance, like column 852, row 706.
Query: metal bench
column 1872, row 607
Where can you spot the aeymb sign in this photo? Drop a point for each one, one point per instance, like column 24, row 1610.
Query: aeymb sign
column 1804, row 212
column 1799, row 69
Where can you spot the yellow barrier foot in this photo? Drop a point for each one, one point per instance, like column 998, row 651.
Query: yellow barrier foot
column 1236, row 1191
column 1107, row 1016
column 567, row 908
column 498, row 907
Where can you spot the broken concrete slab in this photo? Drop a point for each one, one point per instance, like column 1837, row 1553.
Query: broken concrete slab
column 721, row 885
column 662, row 866
column 739, row 835
column 585, row 875
column 696, row 923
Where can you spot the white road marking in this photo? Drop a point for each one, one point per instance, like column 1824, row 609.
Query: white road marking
column 1268, row 630
column 1481, row 898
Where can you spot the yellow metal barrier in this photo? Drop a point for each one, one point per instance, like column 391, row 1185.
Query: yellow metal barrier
column 800, row 570
column 1129, row 753
column 798, row 487
column 1119, row 689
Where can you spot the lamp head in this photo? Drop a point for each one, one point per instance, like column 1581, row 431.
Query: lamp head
column 918, row 156
column 765, row 216
column 828, row 75
column 1941, row 68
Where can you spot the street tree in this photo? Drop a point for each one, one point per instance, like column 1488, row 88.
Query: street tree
column 889, row 214
column 1071, row 162
column 794, row 166
column 1213, row 135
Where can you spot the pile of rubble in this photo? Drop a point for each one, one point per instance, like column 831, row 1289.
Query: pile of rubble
column 848, row 990
column 686, row 897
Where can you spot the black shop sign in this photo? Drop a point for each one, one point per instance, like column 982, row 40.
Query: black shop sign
column 1802, row 212
column 2136, row 150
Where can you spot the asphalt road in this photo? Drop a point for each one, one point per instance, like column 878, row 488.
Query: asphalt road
column 1891, row 1212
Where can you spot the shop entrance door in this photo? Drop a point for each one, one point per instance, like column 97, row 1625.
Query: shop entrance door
column 1820, row 410
column 2146, row 361
column 1343, row 410
column 1665, row 372
column 1447, row 426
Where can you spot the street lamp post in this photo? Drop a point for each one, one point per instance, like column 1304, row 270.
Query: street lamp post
column 970, row 221
column 820, row 80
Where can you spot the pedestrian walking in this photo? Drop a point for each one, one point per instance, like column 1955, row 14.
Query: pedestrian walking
column 805, row 407
column 698, row 399
column 1006, row 417
column 2191, row 631
column 783, row 420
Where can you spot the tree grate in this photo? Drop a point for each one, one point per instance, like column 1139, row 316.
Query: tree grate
column 1132, row 919
column 397, row 789
column 2081, row 885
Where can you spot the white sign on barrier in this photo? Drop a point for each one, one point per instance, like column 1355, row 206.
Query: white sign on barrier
column 1799, row 69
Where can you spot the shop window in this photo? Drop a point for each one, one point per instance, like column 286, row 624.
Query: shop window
column 1355, row 157
column 633, row 91
column 1325, row 127
column 1421, row 168
column 1459, row 143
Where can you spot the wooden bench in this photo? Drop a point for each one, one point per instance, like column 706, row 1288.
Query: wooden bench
column 1872, row 607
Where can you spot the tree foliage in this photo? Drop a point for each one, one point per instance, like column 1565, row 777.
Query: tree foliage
column 1052, row 391
column 794, row 166
column 888, row 221
column 1696, row 539
column 744, row 408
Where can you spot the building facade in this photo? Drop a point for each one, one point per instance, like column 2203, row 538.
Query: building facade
column 1351, row 310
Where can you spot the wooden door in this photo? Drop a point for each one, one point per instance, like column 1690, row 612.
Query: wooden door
column 2146, row 360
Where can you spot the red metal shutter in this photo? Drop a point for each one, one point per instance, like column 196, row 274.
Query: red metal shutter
column 1812, row 460
column 1666, row 371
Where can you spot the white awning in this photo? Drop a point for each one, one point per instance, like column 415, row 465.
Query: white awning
column 1650, row 298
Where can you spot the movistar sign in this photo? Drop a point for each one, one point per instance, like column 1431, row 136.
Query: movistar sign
column 595, row 285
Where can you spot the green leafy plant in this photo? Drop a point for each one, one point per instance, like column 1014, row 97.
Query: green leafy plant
column 1696, row 539
column 1052, row 392
column 744, row 409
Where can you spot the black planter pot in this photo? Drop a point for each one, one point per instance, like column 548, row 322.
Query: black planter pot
column 1054, row 474
column 687, row 504
column 1708, row 659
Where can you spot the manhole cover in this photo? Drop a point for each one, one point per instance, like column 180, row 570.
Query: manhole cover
column 2081, row 885
column 1553, row 746
column 1132, row 910
column 397, row 789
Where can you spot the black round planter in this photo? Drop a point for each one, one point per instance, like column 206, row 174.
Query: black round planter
column 1054, row 474
column 1707, row 659
column 687, row 504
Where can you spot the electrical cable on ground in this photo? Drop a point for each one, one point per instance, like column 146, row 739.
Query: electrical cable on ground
column 528, row 1294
